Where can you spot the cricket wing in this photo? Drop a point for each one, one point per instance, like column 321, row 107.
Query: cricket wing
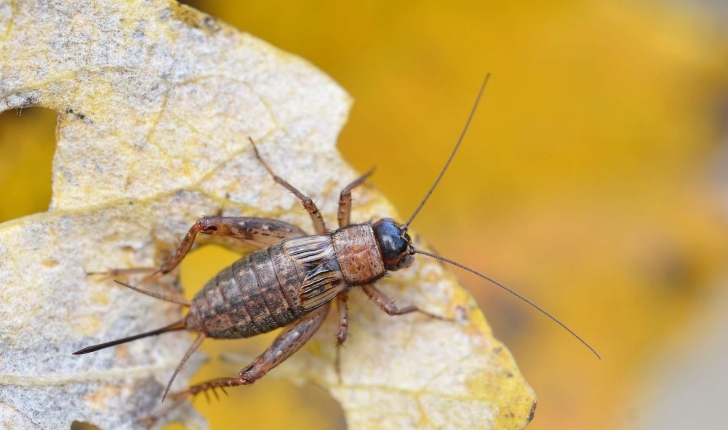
column 317, row 258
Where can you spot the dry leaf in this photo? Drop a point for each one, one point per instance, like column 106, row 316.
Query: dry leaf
column 155, row 104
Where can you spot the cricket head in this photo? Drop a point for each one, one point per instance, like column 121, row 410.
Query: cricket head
column 394, row 243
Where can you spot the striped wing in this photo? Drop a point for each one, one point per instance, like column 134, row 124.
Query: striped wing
column 317, row 258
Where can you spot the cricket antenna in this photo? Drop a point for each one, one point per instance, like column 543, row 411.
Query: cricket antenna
column 452, row 155
column 454, row 263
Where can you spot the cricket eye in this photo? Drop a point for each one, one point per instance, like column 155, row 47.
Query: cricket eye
column 393, row 242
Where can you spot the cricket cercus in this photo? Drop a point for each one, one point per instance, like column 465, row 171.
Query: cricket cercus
column 292, row 280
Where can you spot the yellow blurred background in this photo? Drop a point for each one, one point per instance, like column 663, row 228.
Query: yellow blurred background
column 591, row 181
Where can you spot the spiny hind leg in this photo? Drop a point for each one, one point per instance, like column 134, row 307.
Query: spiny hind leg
column 311, row 208
column 258, row 232
column 285, row 345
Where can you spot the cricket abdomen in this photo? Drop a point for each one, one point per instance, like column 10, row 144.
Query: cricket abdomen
column 257, row 294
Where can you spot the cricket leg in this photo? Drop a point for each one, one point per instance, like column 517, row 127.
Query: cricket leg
column 316, row 218
column 258, row 232
column 343, row 329
column 386, row 304
column 345, row 199
column 285, row 345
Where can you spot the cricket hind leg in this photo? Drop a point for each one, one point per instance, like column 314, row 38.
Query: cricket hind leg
column 313, row 211
column 258, row 232
column 285, row 345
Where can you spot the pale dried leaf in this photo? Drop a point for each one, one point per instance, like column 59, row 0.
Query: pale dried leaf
column 156, row 102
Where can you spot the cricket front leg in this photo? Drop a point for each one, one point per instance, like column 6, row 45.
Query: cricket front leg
column 285, row 345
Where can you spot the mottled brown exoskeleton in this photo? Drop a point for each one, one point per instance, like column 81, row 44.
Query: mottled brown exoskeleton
column 292, row 279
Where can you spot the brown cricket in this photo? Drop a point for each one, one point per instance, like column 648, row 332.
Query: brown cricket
column 292, row 279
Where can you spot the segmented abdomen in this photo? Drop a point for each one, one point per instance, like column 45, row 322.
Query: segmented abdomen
column 257, row 294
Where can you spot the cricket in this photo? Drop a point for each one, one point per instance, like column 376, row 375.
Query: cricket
column 292, row 278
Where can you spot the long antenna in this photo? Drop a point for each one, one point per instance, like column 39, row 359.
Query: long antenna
column 452, row 155
column 454, row 263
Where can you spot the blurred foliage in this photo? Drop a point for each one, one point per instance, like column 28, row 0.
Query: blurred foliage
column 584, row 182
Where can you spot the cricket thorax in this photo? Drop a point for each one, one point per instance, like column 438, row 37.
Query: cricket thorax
column 358, row 254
